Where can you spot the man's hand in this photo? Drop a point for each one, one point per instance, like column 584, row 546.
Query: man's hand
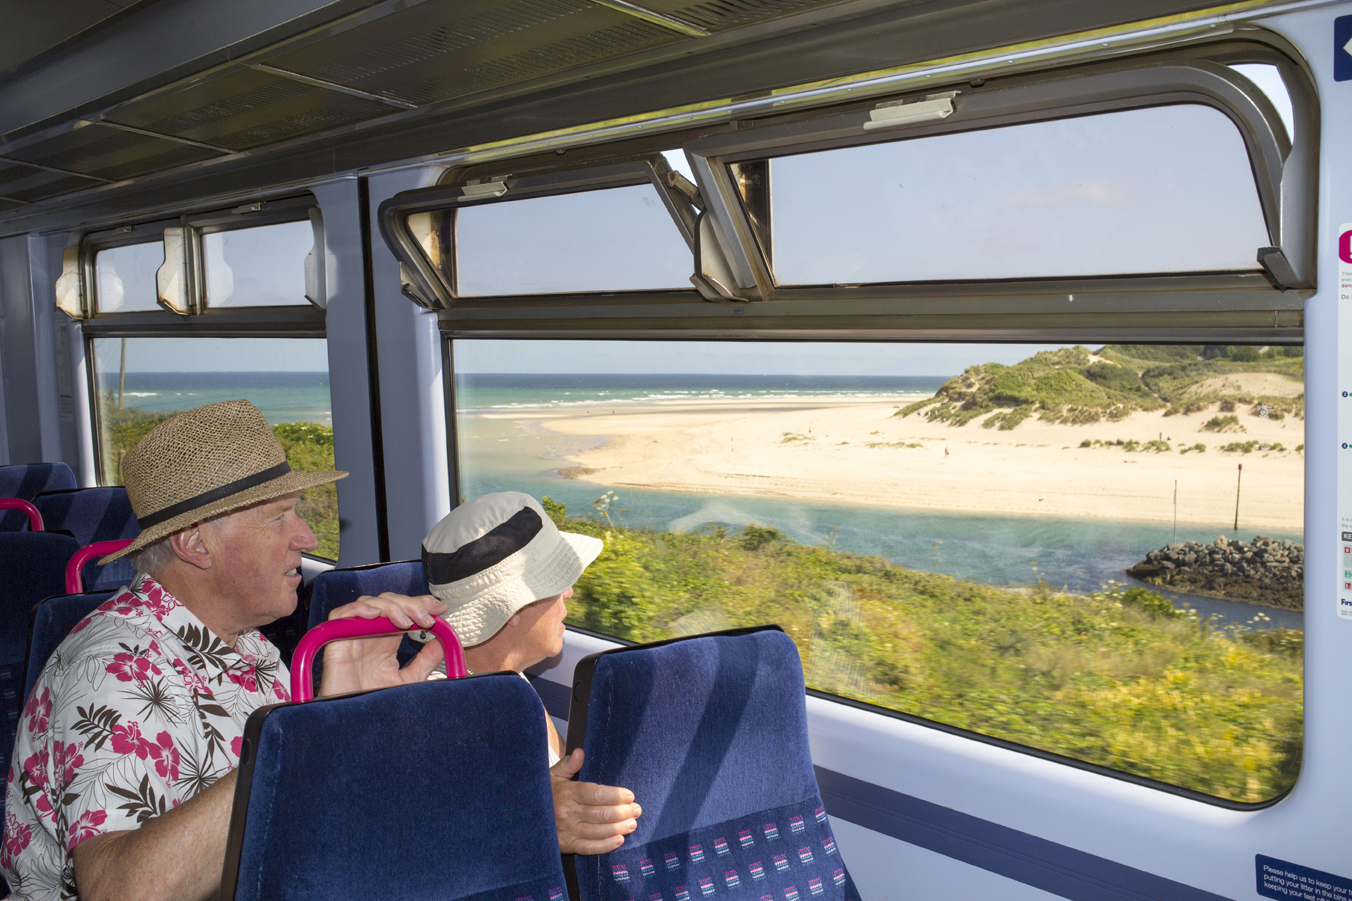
column 590, row 818
column 366, row 663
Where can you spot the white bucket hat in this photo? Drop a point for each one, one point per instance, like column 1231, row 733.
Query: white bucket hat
column 493, row 555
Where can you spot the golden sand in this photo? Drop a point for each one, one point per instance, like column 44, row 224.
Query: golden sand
column 856, row 451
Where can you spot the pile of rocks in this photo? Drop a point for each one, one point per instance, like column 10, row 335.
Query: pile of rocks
column 1263, row 571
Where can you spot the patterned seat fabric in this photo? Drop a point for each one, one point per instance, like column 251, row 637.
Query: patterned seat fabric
column 26, row 481
column 93, row 514
column 710, row 733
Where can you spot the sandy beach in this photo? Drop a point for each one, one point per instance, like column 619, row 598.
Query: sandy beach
column 856, row 451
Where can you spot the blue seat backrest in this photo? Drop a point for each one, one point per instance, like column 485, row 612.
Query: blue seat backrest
column 467, row 758
column 93, row 514
column 50, row 623
column 32, row 567
column 710, row 733
column 26, row 481
column 343, row 586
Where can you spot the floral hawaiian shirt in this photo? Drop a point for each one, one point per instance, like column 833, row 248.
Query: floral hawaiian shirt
column 138, row 710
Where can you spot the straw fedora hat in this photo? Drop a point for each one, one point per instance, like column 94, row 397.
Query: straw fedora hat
column 205, row 462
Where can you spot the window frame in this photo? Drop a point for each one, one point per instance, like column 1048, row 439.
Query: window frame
column 289, row 321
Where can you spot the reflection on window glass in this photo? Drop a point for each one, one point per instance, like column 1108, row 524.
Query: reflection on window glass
column 257, row 267
column 124, row 277
column 1168, row 189
column 143, row 381
column 618, row 239
column 1268, row 78
column 1032, row 542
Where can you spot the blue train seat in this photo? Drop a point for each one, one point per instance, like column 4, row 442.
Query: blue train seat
column 467, row 758
column 32, row 567
column 93, row 514
column 26, row 481
column 49, row 624
column 343, row 586
column 710, row 733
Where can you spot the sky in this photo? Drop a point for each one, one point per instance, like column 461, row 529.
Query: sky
column 1144, row 190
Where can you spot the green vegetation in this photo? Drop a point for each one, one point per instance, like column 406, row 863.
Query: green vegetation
column 1131, row 445
column 1222, row 424
column 1071, row 385
column 1117, row 677
column 309, row 448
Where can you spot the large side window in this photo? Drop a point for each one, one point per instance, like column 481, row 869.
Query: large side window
column 1035, row 543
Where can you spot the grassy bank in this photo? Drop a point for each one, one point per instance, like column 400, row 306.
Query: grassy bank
column 309, row 448
column 1116, row 678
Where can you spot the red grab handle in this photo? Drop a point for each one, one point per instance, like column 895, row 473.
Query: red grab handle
column 34, row 517
column 74, row 584
column 302, row 688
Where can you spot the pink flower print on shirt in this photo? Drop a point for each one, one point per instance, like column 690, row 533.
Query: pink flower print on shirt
column 166, row 756
column 35, row 769
column 236, row 744
column 17, row 837
column 195, row 684
column 87, row 826
column 247, row 679
column 38, row 710
column 158, row 601
column 66, row 759
column 133, row 664
column 122, row 604
column 127, row 740
column 282, row 694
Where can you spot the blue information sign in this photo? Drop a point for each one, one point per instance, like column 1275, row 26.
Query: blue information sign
column 1342, row 48
column 1280, row 879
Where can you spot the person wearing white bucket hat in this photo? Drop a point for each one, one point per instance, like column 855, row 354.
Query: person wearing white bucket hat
column 505, row 573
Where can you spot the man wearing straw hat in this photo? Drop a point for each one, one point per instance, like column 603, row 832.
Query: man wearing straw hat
column 123, row 768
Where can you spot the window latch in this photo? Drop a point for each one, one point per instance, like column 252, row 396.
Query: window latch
column 476, row 189
column 899, row 112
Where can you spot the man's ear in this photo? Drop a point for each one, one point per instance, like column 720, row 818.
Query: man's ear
column 189, row 547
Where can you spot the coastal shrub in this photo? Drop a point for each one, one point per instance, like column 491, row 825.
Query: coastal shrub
column 1086, row 443
column 1222, row 424
column 1196, row 448
column 1238, row 447
column 554, row 509
column 792, row 437
column 1113, row 677
column 1156, row 446
column 1010, row 420
column 755, row 537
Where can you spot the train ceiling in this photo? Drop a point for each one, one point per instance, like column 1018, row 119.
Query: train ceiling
column 105, row 102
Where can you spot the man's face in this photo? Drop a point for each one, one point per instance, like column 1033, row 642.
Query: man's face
column 258, row 550
column 540, row 627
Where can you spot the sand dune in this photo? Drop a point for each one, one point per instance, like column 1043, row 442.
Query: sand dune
column 855, row 451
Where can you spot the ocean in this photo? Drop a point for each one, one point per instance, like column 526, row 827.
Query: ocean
column 279, row 396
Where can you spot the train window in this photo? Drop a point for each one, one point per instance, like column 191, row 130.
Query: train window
column 1048, row 545
column 141, row 381
column 1168, row 189
column 615, row 239
column 257, row 267
column 124, row 277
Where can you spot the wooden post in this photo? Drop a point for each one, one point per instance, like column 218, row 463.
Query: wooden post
column 1237, row 481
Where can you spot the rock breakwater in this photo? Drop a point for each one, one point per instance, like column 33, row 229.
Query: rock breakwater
column 1263, row 571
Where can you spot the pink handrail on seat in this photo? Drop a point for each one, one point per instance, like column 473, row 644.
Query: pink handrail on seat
column 74, row 584
column 34, row 517
column 302, row 688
